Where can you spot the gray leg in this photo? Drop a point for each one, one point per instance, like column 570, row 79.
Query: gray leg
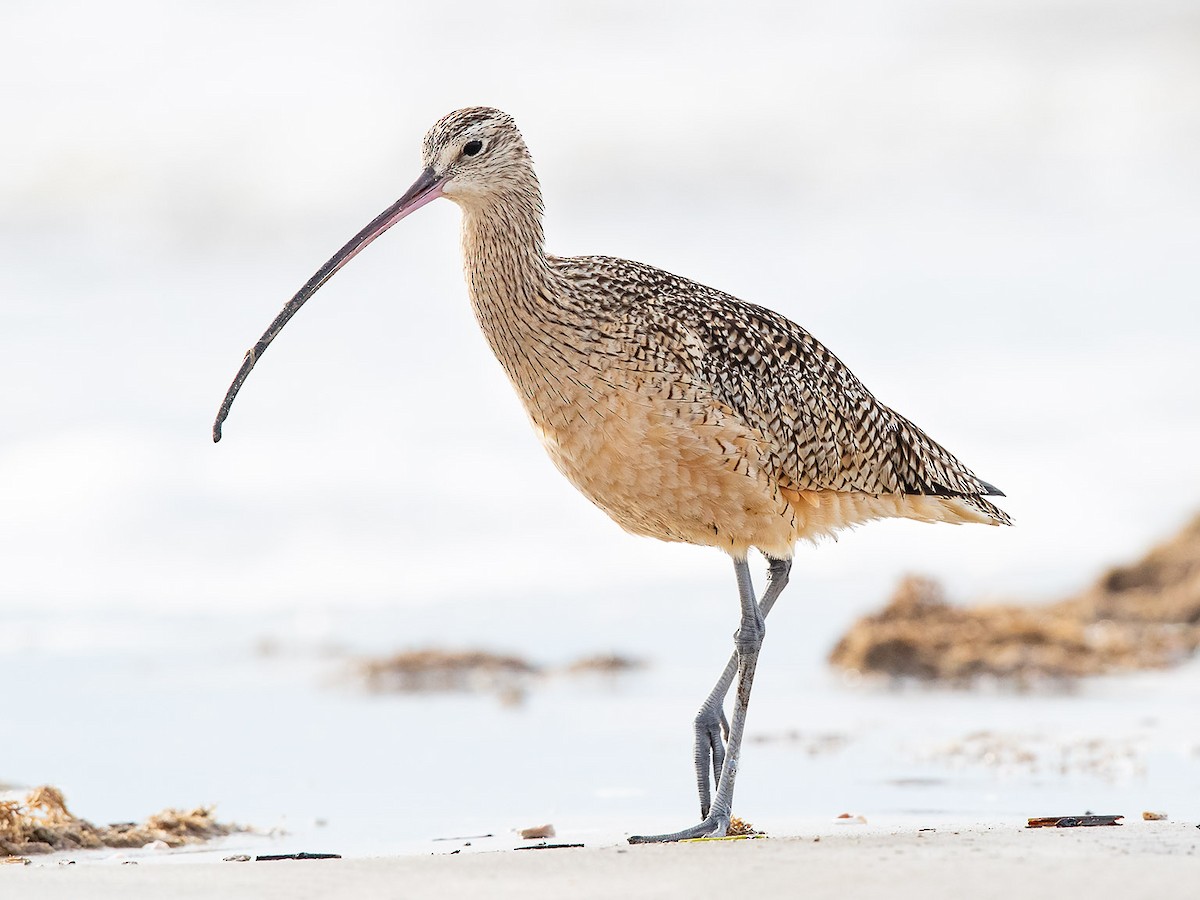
column 711, row 727
column 747, row 641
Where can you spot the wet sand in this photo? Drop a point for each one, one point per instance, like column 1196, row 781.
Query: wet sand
column 1140, row 859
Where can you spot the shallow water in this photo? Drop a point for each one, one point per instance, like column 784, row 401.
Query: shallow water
column 190, row 710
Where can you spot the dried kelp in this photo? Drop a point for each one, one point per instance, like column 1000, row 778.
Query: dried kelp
column 41, row 823
column 446, row 670
column 433, row 670
column 1141, row 616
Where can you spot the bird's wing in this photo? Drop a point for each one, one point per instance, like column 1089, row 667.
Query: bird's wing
column 827, row 431
column 823, row 430
column 830, row 431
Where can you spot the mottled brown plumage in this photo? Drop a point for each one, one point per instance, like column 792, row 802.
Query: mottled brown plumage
column 682, row 412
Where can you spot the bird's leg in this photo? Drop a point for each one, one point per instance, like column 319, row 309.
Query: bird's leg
column 710, row 723
column 747, row 640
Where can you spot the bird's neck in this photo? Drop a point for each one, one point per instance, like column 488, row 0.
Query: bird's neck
column 517, row 298
column 504, row 248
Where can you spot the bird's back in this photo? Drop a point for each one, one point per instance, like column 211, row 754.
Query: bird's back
column 823, row 433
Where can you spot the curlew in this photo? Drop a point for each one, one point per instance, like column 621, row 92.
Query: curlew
column 681, row 411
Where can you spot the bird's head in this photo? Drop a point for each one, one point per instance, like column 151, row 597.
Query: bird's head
column 477, row 154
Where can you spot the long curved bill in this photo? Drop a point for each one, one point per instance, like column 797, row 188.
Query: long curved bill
column 426, row 188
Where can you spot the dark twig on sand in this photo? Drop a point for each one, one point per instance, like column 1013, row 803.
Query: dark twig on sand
column 276, row 856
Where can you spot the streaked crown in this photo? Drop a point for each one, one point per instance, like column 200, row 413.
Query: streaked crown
column 482, row 153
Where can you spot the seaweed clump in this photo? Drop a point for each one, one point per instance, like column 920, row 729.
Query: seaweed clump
column 1145, row 615
column 40, row 822
column 434, row 670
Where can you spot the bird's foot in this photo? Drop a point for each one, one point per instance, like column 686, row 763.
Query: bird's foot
column 714, row 825
column 711, row 730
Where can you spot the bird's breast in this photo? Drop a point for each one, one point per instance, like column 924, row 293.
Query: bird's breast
column 652, row 448
column 661, row 460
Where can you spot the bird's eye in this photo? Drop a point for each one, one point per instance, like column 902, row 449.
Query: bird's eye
column 472, row 147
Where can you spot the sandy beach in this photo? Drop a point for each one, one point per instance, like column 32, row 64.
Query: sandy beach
column 1141, row 859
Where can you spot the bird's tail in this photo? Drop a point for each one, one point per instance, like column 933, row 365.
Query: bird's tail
column 986, row 512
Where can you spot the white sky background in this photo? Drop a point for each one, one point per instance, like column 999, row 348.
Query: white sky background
column 991, row 211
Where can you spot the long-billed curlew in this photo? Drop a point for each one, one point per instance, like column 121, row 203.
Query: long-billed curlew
column 682, row 412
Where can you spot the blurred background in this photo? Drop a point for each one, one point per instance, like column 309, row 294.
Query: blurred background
column 989, row 211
